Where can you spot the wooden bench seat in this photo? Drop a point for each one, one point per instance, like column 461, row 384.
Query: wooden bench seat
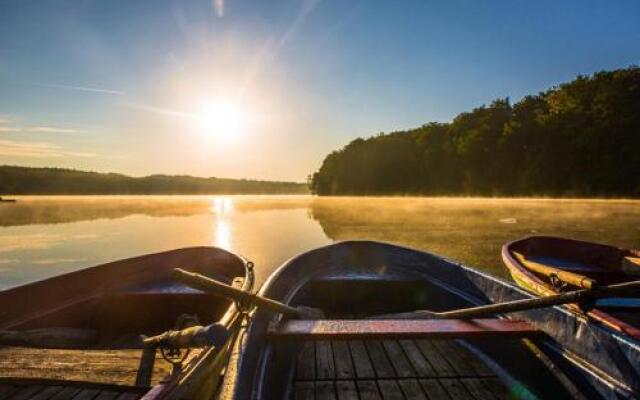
column 398, row 329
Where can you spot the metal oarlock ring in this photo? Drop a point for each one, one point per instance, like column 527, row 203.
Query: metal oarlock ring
column 174, row 355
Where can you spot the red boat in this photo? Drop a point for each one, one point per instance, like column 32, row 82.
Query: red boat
column 549, row 265
column 80, row 335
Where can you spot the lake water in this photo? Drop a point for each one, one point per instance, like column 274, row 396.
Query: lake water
column 45, row 236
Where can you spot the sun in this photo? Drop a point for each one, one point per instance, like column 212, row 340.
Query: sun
column 221, row 119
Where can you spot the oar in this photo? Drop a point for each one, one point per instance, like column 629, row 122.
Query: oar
column 523, row 305
column 207, row 284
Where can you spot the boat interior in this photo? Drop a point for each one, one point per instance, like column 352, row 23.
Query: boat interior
column 91, row 349
column 387, row 360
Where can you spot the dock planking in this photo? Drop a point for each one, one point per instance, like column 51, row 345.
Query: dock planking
column 389, row 369
column 58, row 391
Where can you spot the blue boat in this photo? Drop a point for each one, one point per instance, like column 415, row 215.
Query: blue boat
column 349, row 353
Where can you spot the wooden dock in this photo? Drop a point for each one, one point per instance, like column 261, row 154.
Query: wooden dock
column 52, row 374
column 393, row 369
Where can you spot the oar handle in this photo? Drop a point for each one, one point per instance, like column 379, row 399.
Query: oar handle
column 207, row 284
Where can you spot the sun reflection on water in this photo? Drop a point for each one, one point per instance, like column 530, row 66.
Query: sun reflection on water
column 222, row 207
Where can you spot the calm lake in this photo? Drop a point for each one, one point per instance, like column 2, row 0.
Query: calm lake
column 45, row 236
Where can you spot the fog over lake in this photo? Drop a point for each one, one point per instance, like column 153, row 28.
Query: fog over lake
column 45, row 236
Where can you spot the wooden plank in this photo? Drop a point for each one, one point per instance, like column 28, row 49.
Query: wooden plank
column 499, row 389
column 129, row 396
column 433, row 389
column 100, row 366
column 399, row 329
column 346, row 390
column 455, row 389
column 368, row 390
column 342, row 359
column 325, row 390
column 390, row 389
column 67, row 393
column 325, row 368
column 107, row 395
column 47, row 393
column 306, row 362
column 361, row 362
column 417, row 360
column 86, row 394
column 398, row 359
column 478, row 366
column 26, row 392
column 303, row 391
column 431, row 354
column 379, row 359
column 411, row 389
column 7, row 390
column 480, row 391
column 453, row 353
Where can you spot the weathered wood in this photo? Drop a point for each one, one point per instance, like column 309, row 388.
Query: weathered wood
column 47, row 393
column 67, row 393
column 455, row 388
column 398, row 329
column 207, row 284
column 417, row 360
column 87, row 394
column 98, row 366
column 455, row 357
column 411, row 389
column 306, row 362
column 433, row 356
column 6, row 391
column 325, row 368
column 361, row 362
column 398, row 359
column 26, row 392
column 346, row 390
column 325, row 390
column 433, row 389
column 368, row 390
column 342, row 358
column 379, row 360
column 571, row 278
column 475, row 386
column 303, row 391
column 390, row 389
column 145, row 369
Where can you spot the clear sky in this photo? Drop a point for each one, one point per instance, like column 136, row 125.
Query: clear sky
column 265, row 89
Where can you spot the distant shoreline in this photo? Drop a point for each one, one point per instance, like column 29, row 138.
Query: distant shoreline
column 16, row 181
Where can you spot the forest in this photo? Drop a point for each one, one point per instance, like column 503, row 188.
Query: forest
column 579, row 139
column 25, row 180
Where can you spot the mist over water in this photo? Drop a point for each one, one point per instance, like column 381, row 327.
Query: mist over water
column 45, row 236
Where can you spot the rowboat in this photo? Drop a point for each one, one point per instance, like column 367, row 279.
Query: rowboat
column 122, row 330
column 548, row 265
column 354, row 337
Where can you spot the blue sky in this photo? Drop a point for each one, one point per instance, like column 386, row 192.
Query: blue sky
column 116, row 86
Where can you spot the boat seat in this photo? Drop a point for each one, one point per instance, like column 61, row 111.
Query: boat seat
column 399, row 329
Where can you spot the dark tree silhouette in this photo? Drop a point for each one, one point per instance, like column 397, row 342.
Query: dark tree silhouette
column 581, row 138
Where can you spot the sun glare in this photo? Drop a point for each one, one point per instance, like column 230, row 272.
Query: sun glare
column 222, row 119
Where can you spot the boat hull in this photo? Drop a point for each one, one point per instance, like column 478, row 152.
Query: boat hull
column 596, row 255
column 601, row 362
column 134, row 295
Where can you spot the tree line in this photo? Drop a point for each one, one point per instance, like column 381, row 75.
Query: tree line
column 25, row 180
column 580, row 138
